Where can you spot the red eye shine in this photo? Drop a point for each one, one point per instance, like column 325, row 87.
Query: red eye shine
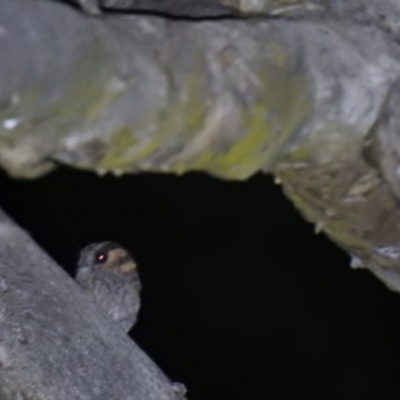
column 101, row 257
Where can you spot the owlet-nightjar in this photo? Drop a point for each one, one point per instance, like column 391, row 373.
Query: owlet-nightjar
column 108, row 273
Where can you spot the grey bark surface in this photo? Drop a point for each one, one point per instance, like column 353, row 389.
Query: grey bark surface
column 308, row 91
column 54, row 341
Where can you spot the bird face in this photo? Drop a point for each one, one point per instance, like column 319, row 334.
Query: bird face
column 105, row 257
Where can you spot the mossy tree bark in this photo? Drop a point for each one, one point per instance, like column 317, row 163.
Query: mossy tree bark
column 300, row 97
column 310, row 95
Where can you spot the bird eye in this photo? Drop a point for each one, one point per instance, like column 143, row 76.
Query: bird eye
column 101, row 257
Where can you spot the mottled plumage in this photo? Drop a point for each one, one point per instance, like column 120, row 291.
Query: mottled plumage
column 109, row 274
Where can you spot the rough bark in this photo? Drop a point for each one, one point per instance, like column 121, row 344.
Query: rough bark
column 55, row 343
column 310, row 96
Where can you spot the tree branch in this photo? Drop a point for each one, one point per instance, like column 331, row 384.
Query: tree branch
column 54, row 342
column 309, row 99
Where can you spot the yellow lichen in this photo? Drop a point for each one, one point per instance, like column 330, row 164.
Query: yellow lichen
column 281, row 109
column 121, row 141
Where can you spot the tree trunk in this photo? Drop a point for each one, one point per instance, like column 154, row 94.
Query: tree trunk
column 308, row 91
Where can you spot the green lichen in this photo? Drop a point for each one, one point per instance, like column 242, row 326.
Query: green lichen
column 340, row 233
column 117, row 156
column 84, row 98
column 278, row 54
column 182, row 120
column 281, row 109
column 239, row 158
column 338, row 230
column 148, row 149
column 333, row 142
column 302, row 153
column 88, row 95
column 268, row 6
column 186, row 116
column 262, row 131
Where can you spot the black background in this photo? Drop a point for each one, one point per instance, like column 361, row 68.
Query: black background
column 241, row 300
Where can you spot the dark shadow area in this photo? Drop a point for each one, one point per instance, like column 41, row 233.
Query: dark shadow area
column 190, row 10
column 241, row 299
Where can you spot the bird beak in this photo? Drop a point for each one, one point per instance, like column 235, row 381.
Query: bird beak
column 127, row 266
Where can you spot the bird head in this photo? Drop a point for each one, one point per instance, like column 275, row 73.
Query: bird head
column 105, row 257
